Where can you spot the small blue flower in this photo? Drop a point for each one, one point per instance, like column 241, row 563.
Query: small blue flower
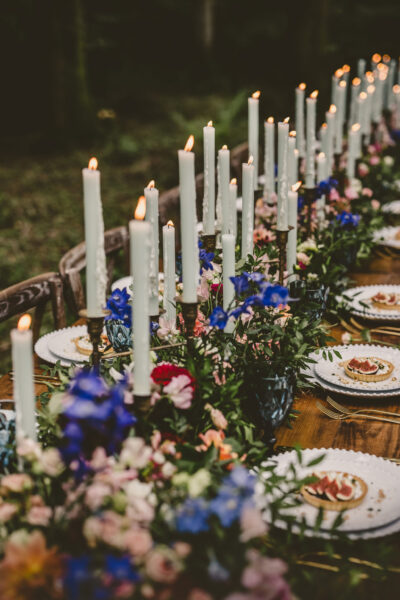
column 121, row 568
column 257, row 277
column 242, row 479
column 192, row 516
column 227, row 507
column 119, row 305
column 254, row 300
column 217, row 572
column 241, row 283
column 205, row 259
column 154, row 326
column 274, row 295
column 87, row 385
column 219, row 318
column 300, row 203
column 348, row 219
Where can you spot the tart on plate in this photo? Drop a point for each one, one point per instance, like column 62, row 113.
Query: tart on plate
column 368, row 368
column 335, row 490
column 386, row 301
column 84, row 345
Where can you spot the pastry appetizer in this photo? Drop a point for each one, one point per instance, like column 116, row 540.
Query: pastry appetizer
column 386, row 301
column 368, row 368
column 84, row 346
column 335, row 490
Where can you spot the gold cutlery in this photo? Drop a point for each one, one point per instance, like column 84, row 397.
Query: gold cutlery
column 153, row 348
column 381, row 329
column 342, row 417
column 349, row 411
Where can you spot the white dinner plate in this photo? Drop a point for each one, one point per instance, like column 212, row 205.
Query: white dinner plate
column 377, row 515
column 387, row 237
column 392, row 208
column 334, row 373
column 43, row 351
column 127, row 282
column 361, row 296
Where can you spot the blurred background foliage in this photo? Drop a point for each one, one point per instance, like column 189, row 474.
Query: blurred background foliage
column 129, row 80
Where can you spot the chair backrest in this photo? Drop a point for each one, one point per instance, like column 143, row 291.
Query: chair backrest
column 35, row 293
column 239, row 155
column 74, row 261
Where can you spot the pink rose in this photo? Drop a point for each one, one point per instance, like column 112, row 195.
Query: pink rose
column 39, row 515
column 375, row 204
column 374, row 160
column 7, row 510
column 367, row 192
column 17, row 482
column 363, row 169
column 252, row 524
column 163, row 565
column 138, row 541
column 180, row 391
column 350, row 193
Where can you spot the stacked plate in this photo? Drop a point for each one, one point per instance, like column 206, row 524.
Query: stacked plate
column 388, row 236
column 377, row 515
column 359, row 302
column 331, row 375
column 59, row 346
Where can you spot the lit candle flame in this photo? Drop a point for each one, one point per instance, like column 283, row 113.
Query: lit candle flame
column 151, row 184
column 140, row 211
column 339, row 73
column 302, row 86
column 224, row 147
column 93, row 164
column 386, row 58
column 321, row 155
column 292, row 133
column 363, row 95
column 314, row 94
column 332, row 109
column 355, row 127
column 286, row 120
column 396, row 89
column 270, row 120
column 170, row 224
column 342, row 84
column 189, row 143
column 256, row 94
column 346, row 68
column 324, row 125
column 356, row 81
column 209, row 124
column 251, row 160
column 234, row 181
column 382, row 67
column 24, row 323
column 376, row 57
column 296, row 186
column 371, row 89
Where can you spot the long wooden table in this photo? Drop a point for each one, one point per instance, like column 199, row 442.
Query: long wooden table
column 312, row 429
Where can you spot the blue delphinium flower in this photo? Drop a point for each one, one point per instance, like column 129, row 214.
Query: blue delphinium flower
column 205, row 259
column 121, row 568
column 235, row 493
column 119, row 305
column 275, row 295
column 154, row 326
column 227, row 506
column 240, row 283
column 219, row 318
column 325, row 186
column 348, row 219
column 77, row 576
column 192, row 516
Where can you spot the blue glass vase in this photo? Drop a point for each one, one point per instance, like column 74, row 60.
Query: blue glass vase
column 119, row 335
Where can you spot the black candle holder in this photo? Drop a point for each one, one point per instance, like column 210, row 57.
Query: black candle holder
column 141, row 403
column 189, row 313
column 156, row 318
column 95, row 327
column 209, row 241
column 310, row 196
column 281, row 241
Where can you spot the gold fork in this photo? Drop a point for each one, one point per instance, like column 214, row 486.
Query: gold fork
column 341, row 417
column 349, row 411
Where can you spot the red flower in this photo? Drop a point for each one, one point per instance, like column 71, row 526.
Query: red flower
column 162, row 374
column 217, row 289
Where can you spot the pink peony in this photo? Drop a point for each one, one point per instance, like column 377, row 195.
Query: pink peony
column 363, row 169
column 367, row 192
column 163, row 565
column 374, row 160
column 375, row 204
column 17, row 482
column 7, row 510
column 180, row 391
column 138, row 541
column 251, row 524
column 39, row 515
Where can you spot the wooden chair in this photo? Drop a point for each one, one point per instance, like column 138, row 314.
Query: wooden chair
column 74, row 261
column 35, row 293
column 239, row 155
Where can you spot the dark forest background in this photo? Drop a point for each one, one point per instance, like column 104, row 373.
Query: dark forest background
column 129, row 80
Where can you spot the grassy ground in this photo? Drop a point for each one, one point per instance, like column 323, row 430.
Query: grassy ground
column 41, row 213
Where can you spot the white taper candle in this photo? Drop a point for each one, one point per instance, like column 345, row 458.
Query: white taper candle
column 209, row 179
column 169, row 271
column 24, row 390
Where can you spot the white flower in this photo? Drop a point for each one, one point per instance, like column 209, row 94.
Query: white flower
column 388, row 161
column 199, row 482
column 307, row 245
column 135, row 453
column 168, row 469
column 138, row 489
column 167, row 328
column 346, row 338
column 180, row 391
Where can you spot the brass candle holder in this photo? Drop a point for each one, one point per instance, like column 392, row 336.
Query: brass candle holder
column 95, row 327
column 209, row 241
column 310, row 195
column 189, row 313
column 281, row 242
column 141, row 404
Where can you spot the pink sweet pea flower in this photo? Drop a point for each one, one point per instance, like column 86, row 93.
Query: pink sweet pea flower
column 180, row 391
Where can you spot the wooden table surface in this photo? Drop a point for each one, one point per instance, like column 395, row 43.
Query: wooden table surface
column 312, row 429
